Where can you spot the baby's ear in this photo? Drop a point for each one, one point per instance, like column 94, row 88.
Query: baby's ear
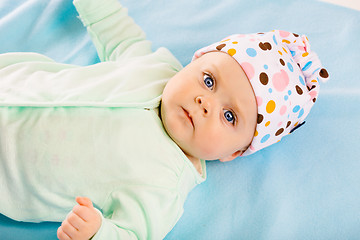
column 232, row 156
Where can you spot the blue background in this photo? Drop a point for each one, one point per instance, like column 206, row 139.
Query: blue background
column 305, row 187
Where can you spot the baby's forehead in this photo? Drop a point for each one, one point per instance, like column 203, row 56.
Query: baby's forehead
column 216, row 57
column 219, row 63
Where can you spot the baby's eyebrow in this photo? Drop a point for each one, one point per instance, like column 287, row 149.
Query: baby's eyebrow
column 215, row 68
column 237, row 110
column 214, row 71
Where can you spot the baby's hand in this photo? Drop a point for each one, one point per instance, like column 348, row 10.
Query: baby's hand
column 82, row 223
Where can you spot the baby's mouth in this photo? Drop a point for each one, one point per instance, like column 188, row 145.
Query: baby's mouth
column 188, row 116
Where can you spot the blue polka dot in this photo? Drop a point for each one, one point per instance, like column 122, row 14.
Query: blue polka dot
column 286, row 97
column 296, row 108
column 293, row 53
column 301, row 80
column 270, row 90
column 289, row 92
column 290, row 67
column 301, row 113
column 266, row 66
column 265, row 138
column 274, row 40
column 307, row 66
column 251, row 52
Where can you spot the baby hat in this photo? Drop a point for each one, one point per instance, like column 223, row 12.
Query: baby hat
column 284, row 74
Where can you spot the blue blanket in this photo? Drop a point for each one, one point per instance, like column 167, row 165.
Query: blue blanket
column 305, row 187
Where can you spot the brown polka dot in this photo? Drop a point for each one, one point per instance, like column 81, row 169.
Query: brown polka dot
column 280, row 131
column 265, row 46
column 296, row 35
column 323, row 73
column 299, row 90
column 282, row 62
column 314, row 100
column 288, row 124
column 260, row 118
column 261, row 45
column 221, row 46
column 264, row 79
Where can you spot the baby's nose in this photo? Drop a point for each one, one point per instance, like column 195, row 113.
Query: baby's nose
column 204, row 103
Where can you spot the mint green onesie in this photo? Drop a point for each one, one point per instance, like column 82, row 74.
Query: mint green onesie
column 93, row 131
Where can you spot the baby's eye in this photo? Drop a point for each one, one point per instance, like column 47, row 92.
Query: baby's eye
column 209, row 82
column 229, row 116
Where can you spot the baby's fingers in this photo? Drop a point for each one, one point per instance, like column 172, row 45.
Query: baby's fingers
column 84, row 201
column 75, row 221
column 62, row 235
column 85, row 209
column 66, row 231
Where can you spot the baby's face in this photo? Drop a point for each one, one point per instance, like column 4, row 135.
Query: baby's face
column 209, row 108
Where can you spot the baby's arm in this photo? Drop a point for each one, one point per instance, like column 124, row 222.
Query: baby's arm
column 138, row 211
column 82, row 222
column 113, row 32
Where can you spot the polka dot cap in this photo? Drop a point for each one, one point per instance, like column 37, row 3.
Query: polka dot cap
column 284, row 74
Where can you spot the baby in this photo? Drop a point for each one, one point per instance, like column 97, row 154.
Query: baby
column 132, row 132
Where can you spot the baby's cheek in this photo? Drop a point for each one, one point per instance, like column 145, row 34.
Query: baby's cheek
column 209, row 146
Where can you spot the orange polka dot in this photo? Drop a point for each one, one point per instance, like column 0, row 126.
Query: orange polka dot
column 280, row 52
column 256, row 133
column 231, row 52
column 286, row 41
column 305, row 54
column 285, row 50
column 235, row 42
column 267, row 124
column 270, row 106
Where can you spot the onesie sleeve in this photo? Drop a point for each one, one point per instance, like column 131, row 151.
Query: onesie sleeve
column 114, row 34
column 140, row 212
